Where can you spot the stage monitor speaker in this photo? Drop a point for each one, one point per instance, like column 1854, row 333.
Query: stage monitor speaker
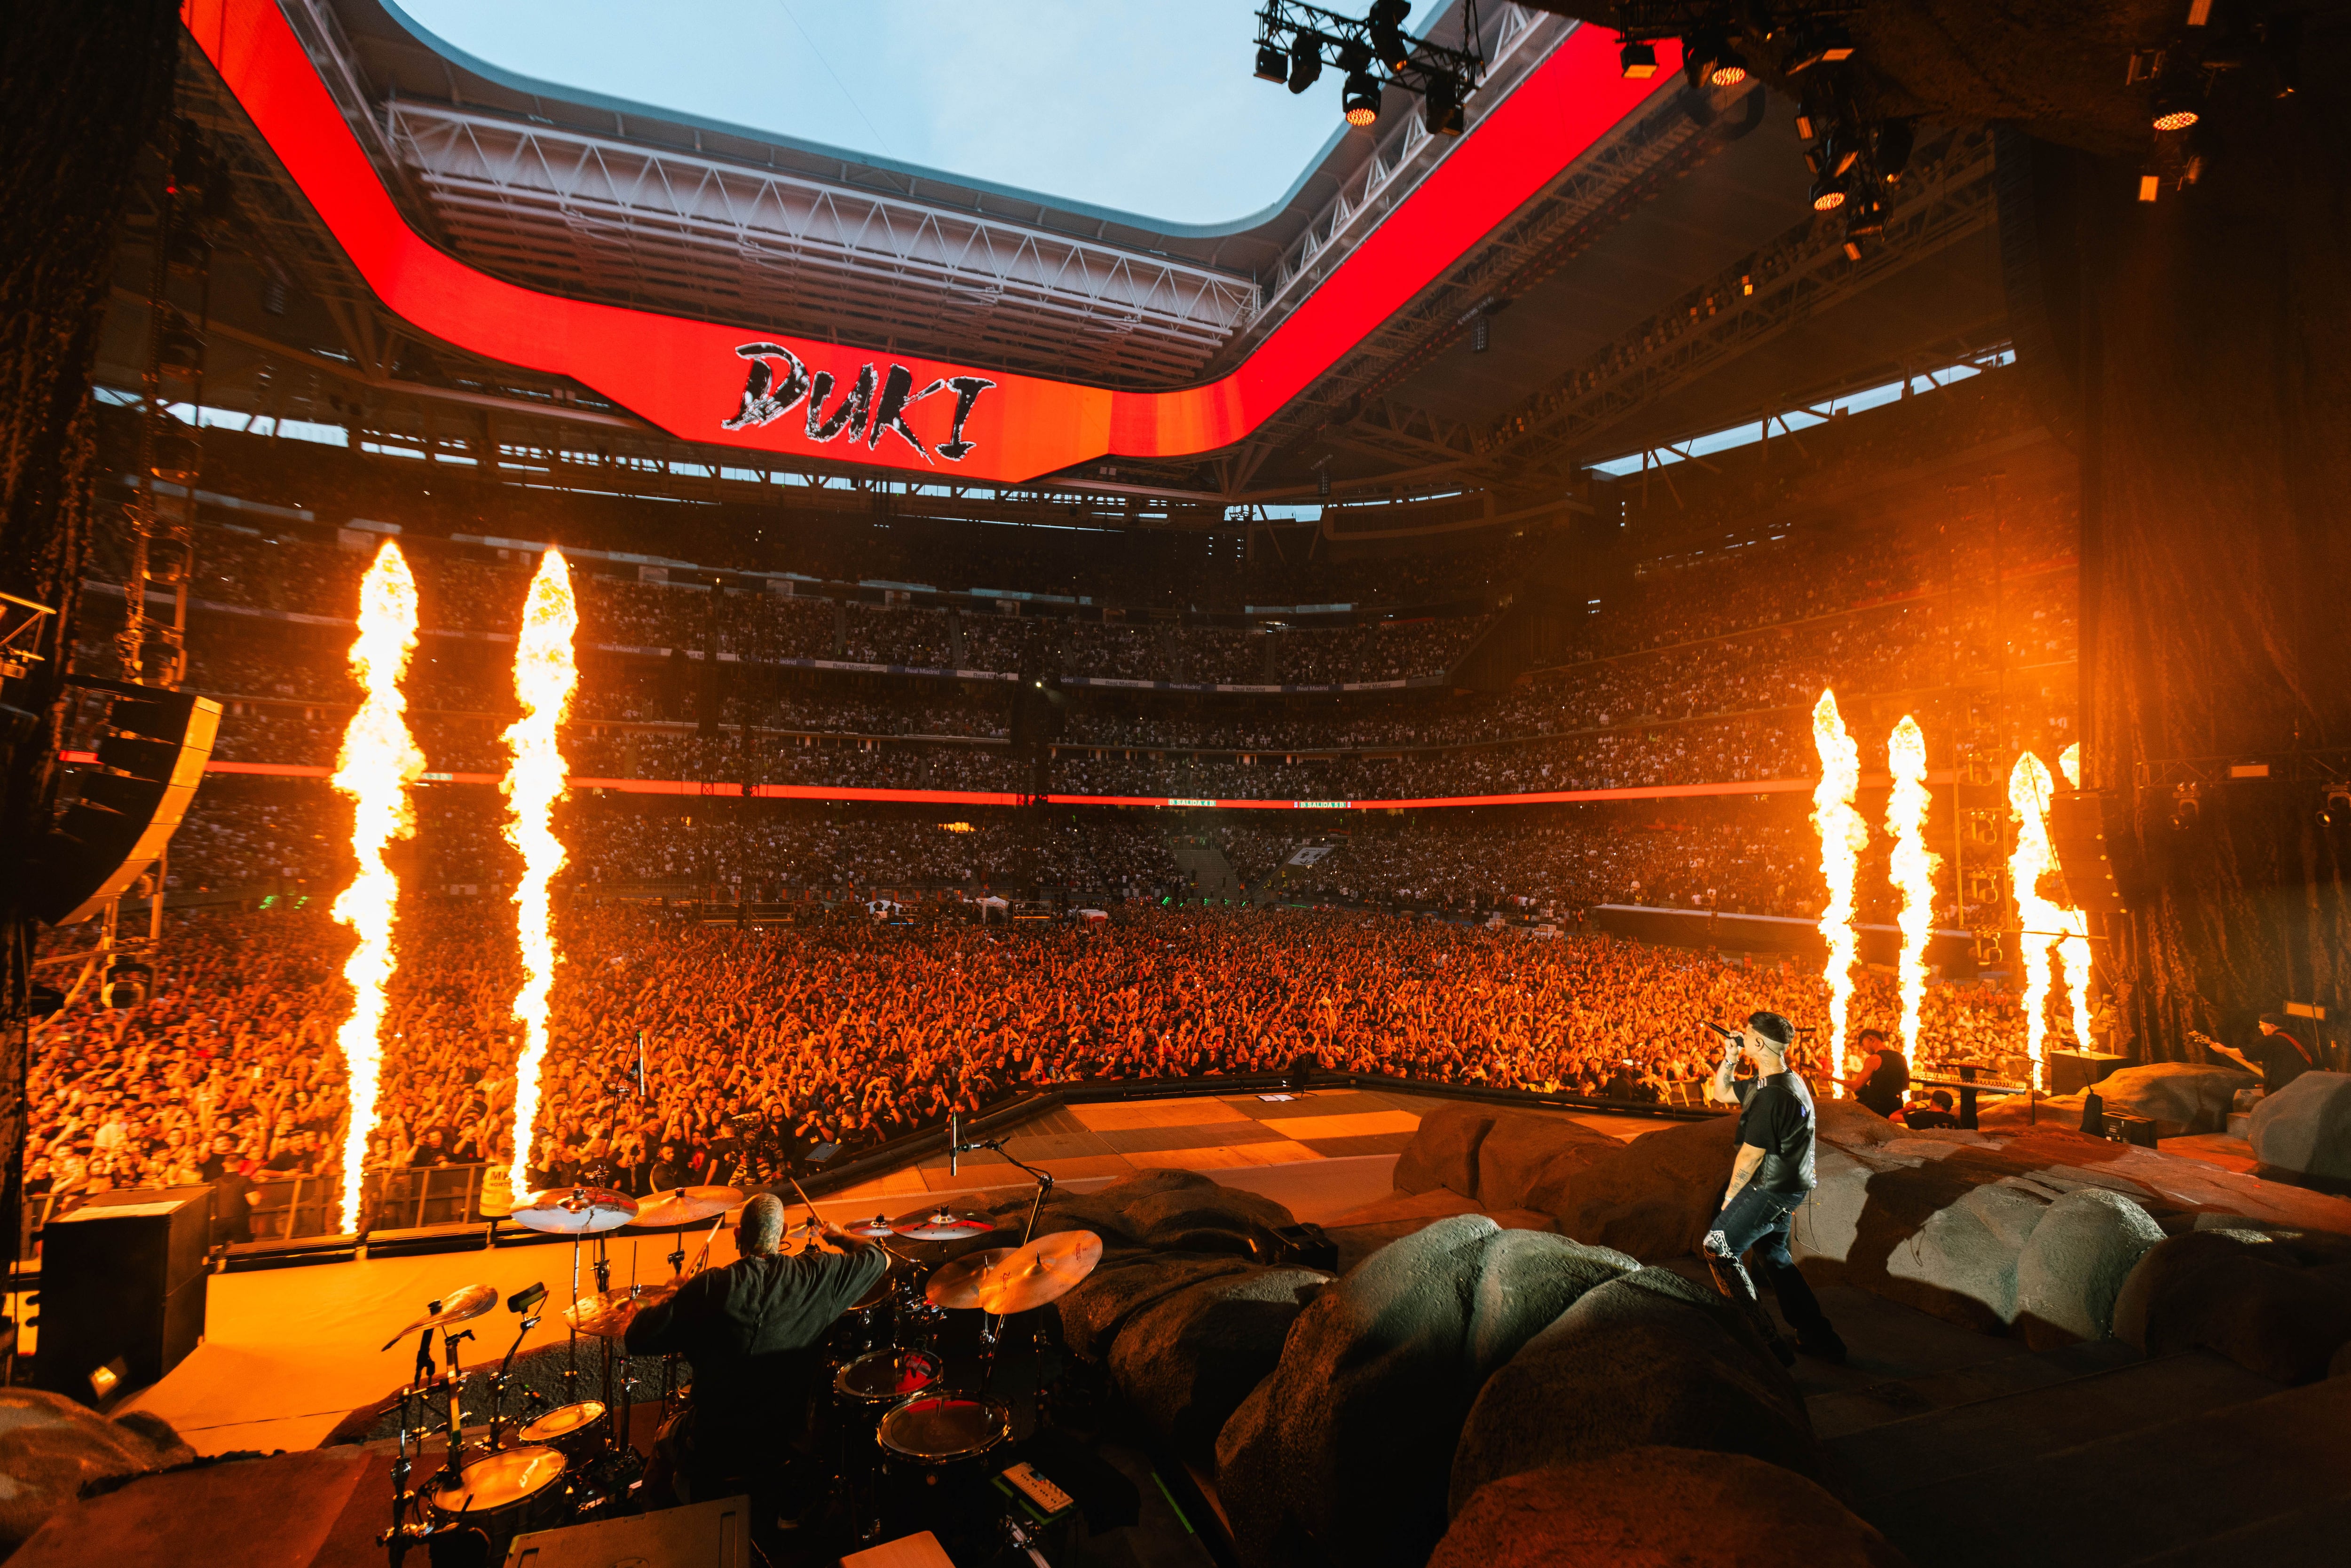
column 150, row 763
column 2077, row 831
column 2071, row 1071
column 123, row 1281
column 715, row 1534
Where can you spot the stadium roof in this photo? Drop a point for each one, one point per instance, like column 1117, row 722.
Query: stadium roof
column 1331, row 337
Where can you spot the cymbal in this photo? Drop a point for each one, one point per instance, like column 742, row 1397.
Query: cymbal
column 1045, row 1271
column 871, row 1230
column 684, row 1206
column 608, row 1316
column 940, row 1225
column 957, row 1284
column 575, row 1210
column 458, row 1306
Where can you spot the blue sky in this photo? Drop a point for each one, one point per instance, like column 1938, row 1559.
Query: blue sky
column 1145, row 106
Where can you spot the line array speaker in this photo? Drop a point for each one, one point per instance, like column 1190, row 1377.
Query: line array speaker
column 2077, row 831
column 150, row 763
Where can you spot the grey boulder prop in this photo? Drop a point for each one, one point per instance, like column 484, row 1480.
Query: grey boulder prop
column 2306, row 1127
column 51, row 1448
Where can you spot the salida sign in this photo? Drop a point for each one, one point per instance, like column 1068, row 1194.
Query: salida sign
column 779, row 382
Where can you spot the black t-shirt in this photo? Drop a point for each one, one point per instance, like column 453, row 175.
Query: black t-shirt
column 1883, row 1093
column 1775, row 1115
column 2282, row 1061
column 754, row 1331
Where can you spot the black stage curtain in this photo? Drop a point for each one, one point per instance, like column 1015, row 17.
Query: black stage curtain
column 82, row 83
column 2212, row 379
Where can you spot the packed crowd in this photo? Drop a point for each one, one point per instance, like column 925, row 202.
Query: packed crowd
column 761, row 1043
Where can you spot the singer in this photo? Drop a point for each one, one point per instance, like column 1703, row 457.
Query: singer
column 1771, row 1176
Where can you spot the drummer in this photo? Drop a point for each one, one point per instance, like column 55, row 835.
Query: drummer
column 752, row 1331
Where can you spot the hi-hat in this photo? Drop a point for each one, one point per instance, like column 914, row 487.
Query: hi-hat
column 940, row 1225
column 608, row 1316
column 457, row 1307
column 575, row 1210
column 871, row 1230
column 1045, row 1271
column 957, row 1284
column 685, row 1205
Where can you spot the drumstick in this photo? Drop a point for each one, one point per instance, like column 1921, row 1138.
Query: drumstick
column 804, row 1198
column 704, row 1256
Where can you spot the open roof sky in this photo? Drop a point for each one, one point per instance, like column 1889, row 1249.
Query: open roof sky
column 1143, row 106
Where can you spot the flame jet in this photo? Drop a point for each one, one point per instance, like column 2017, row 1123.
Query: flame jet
column 545, row 678
column 1912, row 869
column 1844, row 835
column 2042, row 922
column 2074, row 952
column 378, row 763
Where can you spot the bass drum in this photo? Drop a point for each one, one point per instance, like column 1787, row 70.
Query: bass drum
column 476, row 1517
column 938, row 1452
column 575, row 1431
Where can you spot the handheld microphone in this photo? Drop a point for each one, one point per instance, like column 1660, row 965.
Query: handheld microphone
column 954, row 1137
column 1725, row 1033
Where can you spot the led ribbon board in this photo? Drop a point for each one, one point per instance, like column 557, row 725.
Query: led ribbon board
column 733, row 386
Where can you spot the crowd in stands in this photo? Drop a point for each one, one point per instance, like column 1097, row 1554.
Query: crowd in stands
column 764, row 1041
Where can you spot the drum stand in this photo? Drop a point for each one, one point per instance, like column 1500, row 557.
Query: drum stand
column 989, row 1323
column 498, row 1384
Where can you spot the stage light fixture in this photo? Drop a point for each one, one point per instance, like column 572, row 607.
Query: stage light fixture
column 1273, row 65
column 1828, row 194
column 1442, row 106
column 1730, row 68
column 1823, row 45
column 1636, row 61
column 1890, row 142
column 1389, row 40
column 1305, row 62
column 1361, row 99
column 2174, row 113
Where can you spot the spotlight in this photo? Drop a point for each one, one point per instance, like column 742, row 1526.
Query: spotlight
column 1273, row 65
column 1829, row 43
column 2173, row 112
column 1389, row 41
column 1865, row 214
column 1730, row 68
column 1890, row 142
column 1305, row 62
column 1361, row 99
column 125, row 984
column 2337, row 808
column 2186, row 806
column 1635, row 62
column 1441, row 109
column 1828, row 194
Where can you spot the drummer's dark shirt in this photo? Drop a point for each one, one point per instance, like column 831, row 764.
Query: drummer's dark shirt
column 753, row 1331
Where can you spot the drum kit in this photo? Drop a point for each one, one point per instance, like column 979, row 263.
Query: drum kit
column 911, row 1445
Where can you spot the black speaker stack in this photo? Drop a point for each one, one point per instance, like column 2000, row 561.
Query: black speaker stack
column 150, row 762
column 122, row 1291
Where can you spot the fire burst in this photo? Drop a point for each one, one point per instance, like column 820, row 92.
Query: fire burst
column 379, row 762
column 545, row 678
column 2041, row 921
column 2074, row 952
column 1844, row 835
column 1913, row 868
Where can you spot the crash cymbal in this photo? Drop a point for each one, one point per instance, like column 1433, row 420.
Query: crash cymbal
column 457, row 1307
column 942, row 1225
column 957, row 1284
column 1045, row 1271
column 684, row 1206
column 608, row 1316
column 871, row 1230
column 575, row 1210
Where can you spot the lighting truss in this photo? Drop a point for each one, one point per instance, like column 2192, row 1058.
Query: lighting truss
column 1443, row 77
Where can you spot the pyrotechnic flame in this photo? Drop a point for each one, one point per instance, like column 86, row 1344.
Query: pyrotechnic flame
column 379, row 762
column 2043, row 922
column 545, row 678
column 1844, row 835
column 1912, row 868
column 2074, row 952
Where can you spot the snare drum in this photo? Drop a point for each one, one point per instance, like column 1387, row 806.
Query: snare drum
column 575, row 1431
column 881, row 1378
column 494, row 1499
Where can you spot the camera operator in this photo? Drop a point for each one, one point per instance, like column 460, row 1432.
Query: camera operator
column 1770, row 1177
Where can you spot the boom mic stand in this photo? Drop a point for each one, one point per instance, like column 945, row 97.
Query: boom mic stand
column 989, row 1322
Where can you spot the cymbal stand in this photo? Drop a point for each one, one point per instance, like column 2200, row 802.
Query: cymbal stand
column 990, row 1323
column 396, row 1537
column 455, row 1383
column 572, row 1368
column 499, row 1383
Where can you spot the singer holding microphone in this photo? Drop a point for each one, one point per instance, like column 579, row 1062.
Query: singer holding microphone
column 1770, row 1176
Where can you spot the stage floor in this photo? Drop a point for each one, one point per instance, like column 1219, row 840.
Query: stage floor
column 287, row 1353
